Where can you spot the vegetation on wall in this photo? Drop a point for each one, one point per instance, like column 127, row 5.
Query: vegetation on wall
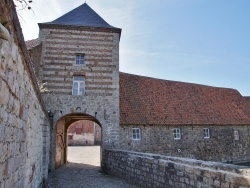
column 23, row 4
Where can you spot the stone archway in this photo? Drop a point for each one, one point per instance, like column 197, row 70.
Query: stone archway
column 62, row 126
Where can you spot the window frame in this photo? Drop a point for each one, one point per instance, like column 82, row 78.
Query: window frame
column 79, row 58
column 206, row 133
column 78, row 83
column 236, row 135
column 177, row 133
column 137, row 134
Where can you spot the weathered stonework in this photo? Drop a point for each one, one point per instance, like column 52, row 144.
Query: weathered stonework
column 24, row 127
column 101, row 71
column 221, row 145
column 32, row 143
column 151, row 170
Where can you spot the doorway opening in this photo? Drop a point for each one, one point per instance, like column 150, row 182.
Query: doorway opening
column 83, row 134
column 84, row 143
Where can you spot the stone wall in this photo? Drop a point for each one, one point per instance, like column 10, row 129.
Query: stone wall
column 221, row 146
column 24, row 127
column 150, row 170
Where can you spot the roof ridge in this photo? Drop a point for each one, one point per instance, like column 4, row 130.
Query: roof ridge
column 182, row 82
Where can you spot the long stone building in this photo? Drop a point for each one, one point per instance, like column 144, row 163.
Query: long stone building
column 183, row 119
column 71, row 73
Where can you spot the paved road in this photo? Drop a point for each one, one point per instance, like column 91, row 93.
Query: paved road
column 83, row 170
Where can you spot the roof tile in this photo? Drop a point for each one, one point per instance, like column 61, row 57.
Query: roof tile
column 146, row 100
column 32, row 43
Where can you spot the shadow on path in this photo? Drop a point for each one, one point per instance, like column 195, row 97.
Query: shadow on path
column 76, row 175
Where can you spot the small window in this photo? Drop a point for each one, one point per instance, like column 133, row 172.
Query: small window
column 177, row 133
column 206, row 133
column 136, row 133
column 78, row 85
column 79, row 59
column 236, row 135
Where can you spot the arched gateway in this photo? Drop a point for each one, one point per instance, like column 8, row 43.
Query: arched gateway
column 80, row 65
column 61, row 142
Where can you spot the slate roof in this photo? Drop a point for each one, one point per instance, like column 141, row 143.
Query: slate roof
column 153, row 101
column 81, row 16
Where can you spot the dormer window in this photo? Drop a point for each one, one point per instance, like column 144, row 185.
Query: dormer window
column 79, row 59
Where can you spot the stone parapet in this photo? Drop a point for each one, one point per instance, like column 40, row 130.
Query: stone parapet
column 152, row 170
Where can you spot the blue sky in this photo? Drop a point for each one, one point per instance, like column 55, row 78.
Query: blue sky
column 198, row 41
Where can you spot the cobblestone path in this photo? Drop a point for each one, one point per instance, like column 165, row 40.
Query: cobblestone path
column 83, row 170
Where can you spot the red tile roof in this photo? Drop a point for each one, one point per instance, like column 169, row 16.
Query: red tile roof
column 32, row 43
column 246, row 105
column 146, row 100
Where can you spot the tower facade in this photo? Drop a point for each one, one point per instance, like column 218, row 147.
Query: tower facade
column 80, row 66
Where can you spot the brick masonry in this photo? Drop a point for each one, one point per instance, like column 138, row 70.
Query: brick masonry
column 24, row 126
column 152, row 170
column 221, row 145
column 101, row 71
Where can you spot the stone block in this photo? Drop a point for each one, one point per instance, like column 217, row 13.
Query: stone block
column 16, row 108
column 180, row 173
column 2, row 169
column 10, row 166
column 171, row 183
column 7, row 183
column 217, row 183
column 2, row 134
column 199, row 185
column 4, row 97
column 4, row 33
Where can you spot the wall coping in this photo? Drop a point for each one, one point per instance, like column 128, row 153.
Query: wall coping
column 214, row 166
column 19, row 41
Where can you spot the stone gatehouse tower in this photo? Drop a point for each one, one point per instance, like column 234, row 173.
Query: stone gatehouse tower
column 80, row 66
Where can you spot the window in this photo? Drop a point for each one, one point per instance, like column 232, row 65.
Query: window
column 78, row 85
column 177, row 133
column 206, row 133
column 236, row 135
column 136, row 133
column 79, row 59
